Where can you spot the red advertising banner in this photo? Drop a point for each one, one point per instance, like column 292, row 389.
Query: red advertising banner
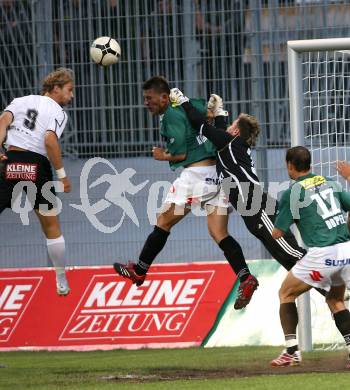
column 176, row 306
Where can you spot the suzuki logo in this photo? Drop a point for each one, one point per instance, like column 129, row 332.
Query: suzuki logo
column 316, row 276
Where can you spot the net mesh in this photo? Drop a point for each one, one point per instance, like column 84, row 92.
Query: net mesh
column 327, row 109
column 326, row 96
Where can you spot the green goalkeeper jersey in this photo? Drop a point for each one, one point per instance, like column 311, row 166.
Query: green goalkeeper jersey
column 181, row 138
column 315, row 203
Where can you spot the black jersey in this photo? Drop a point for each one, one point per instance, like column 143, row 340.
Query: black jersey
column 240, row 182
column 236, row 171
column 237, row 174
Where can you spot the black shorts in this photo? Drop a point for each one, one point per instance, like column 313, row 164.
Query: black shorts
column 26, row 167
column 285, row 250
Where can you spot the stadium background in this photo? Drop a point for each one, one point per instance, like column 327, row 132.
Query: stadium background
column 234, row 48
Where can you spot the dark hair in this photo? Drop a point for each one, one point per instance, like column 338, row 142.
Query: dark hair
column 300, row 157
column 249, row 128
column 60, row 77
column 158, row 83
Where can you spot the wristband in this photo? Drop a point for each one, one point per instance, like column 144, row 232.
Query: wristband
column 61, row 173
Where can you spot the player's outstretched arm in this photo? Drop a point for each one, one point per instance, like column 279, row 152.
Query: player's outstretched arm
column 216, row 108
column 277, row 233
column 161, row 154
column 343, row 168
column 218, row 137
column 5, row 121
column 54, row 154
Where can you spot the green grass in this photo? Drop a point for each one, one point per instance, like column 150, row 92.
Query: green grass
column 189, row 369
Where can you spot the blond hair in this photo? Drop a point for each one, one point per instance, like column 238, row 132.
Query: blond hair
column 249, row 128
column 59, row 77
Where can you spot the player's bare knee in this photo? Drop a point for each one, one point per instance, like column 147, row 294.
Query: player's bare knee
column 335, row 298
column 336, row 306
column 281, row 295
column 217, row 235
column 168, row 219
column 287, row 294
column 217, row 226
column 335, row 303
column 164, row 223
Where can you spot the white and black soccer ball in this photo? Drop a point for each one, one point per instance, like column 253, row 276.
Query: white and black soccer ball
column 105, row 51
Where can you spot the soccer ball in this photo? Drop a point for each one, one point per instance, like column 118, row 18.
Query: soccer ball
column 105, row 51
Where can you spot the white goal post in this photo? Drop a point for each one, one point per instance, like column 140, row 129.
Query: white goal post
column 319, row 100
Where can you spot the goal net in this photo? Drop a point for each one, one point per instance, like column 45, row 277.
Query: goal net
column 319, row 86
column 326, row 95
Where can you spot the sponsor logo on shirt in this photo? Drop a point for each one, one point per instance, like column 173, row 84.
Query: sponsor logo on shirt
column 316, row 276
column 212, row 180
column 312, row 182
column 201, row 139
column 336, row 263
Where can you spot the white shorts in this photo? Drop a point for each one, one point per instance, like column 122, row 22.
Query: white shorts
column 325, row 267
column 197, row 186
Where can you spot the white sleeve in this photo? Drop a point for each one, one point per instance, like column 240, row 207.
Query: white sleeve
column 57, row 122
column 12, row 107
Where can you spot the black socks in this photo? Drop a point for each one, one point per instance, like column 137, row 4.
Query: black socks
column 234, row 255
column 342, row 321
column 154, row 244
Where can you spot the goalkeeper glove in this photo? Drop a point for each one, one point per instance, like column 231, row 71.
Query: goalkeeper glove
column 216, row 105
column 177, row 97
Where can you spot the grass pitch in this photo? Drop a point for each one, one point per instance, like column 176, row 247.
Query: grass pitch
column 213, row 368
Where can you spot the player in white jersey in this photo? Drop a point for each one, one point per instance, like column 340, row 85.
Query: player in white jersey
column 30, row 127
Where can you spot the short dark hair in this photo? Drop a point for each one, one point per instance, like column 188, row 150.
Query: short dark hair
column 299, row 157
column 249, row 128
column 158, row 83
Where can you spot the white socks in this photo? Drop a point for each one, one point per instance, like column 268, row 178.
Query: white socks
column 56, row 251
